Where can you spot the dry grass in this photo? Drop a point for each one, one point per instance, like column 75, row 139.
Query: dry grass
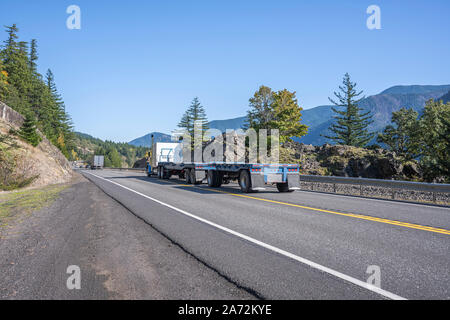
column 20, row 204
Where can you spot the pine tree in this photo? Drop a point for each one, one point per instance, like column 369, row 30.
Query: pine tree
column 403, row 136
column 15, row 59
column 60, row 125
column 286, row 116
column 33, row 56
column 28, row 130
column 194, row 114
column 350, row 127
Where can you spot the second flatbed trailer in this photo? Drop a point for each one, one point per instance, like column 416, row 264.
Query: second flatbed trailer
column 251, row 177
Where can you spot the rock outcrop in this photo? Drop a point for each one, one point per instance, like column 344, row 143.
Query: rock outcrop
column 44, row 162
column 348, row 161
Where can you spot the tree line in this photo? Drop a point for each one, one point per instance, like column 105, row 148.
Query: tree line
column 424, row 138
column 33, row 95
column 116, row 154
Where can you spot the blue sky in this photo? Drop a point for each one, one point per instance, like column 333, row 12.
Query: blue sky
column 135, row 66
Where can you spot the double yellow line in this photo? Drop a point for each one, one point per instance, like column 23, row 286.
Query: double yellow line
column 351, row 215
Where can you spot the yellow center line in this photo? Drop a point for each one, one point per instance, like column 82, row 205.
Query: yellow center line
column 352, row 215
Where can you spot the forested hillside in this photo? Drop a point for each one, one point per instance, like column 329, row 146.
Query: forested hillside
column 118, row 155
column 33, row 95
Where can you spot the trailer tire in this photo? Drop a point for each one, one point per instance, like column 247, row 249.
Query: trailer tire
column 187, row 176
column 214, row 179
column 159, row 173
column 245, row 182
column 283, row 187
column 193, row 177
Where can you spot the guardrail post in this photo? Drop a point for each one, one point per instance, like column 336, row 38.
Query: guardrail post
column 334, row 187
column 434, row 197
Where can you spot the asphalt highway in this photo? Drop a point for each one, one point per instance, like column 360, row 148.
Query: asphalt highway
column 300, row 245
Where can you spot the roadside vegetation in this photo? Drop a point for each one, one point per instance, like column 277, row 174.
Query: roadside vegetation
column 117, row 155
column 19, row 205
column 15, row 171
column 415, row 141
column 33, row 95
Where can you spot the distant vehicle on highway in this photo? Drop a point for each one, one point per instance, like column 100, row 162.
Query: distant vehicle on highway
column 166, row 160
column 97, row 162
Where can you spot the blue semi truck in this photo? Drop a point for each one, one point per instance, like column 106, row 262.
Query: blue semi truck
column 166, row 161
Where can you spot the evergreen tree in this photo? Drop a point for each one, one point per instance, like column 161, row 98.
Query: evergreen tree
column 350, row 127
column 194, row 114
column 286, row 116
column 60, row 125
column 24, row 90
column 15, row 59
column 28, row 130
column 403, row 136
column 33, row 56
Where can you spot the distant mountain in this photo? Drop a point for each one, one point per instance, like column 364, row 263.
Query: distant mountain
column 223, row 125
column 446, row 97
column 415, row 89
column 146, row 141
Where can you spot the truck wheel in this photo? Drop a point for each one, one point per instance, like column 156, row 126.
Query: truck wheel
column 245, row 182
column 159, row 173
column 214, row 179
column 283, row 187
column 166, row 175
column 192, row 175
column 187, row 176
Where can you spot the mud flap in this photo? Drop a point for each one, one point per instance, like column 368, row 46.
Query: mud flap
column 200, row 175
column 293, row 181
column 257, row 181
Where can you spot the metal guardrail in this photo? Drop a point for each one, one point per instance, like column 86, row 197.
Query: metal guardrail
column 393, row 185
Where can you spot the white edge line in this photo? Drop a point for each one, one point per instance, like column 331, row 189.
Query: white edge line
column 310, row 263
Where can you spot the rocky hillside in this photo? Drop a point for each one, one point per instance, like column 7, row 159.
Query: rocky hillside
column 337, row 160
column 24, row 165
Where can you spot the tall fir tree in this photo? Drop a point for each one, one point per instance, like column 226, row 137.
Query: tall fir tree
column 351, row 123
column 33, row 56
column 194, row 114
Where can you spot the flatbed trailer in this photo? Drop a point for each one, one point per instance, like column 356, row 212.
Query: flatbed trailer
column 251, row 176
